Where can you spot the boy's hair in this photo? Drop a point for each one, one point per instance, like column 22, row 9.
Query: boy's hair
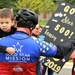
column 6, row 13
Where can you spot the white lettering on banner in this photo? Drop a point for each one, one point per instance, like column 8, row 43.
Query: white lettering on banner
column 50, row 35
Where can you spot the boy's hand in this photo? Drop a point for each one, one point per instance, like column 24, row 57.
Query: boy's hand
column 10, row 50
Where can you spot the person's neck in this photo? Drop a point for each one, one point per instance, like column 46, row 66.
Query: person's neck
column 26, row 30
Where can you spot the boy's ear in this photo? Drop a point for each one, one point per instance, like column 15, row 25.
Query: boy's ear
column 13, row 23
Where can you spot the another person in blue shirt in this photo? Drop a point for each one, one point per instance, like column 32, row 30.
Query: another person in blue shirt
column 35, row 34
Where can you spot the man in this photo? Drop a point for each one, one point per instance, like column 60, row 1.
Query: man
column 28, row 50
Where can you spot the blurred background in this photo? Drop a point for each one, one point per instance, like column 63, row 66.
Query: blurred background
column 43, row 8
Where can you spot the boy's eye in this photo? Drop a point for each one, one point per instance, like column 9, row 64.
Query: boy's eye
column 1, row 22
column 7, row 22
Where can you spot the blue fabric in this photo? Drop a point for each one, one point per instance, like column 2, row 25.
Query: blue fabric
column 41, row 38
column 27, row 49
column 50, row 72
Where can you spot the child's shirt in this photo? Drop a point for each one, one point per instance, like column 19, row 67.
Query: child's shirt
column 3, row 34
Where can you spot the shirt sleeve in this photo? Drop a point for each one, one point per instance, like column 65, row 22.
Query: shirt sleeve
column 3, row 49
column 47, row 49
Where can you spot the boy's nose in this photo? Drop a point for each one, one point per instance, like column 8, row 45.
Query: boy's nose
column 4, row 24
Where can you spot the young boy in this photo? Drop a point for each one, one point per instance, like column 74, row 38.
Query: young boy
column 6, row 27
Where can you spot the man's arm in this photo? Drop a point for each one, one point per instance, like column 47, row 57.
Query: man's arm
column 65, row 48
column 3, row 49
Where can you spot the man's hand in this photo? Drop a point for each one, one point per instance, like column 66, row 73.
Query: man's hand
column 72, row 56
column 10, row 50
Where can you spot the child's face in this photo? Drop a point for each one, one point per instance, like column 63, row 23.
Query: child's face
column 5, row 24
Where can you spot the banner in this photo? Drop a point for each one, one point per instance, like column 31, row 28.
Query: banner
column 59, row 29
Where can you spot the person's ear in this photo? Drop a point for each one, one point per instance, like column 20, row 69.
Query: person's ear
column 13, row 23
column 31, row 28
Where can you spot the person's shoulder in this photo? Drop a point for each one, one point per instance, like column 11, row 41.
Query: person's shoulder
column 13, row 28
column 2, row 33
column 34, row 37
column 1, row 30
